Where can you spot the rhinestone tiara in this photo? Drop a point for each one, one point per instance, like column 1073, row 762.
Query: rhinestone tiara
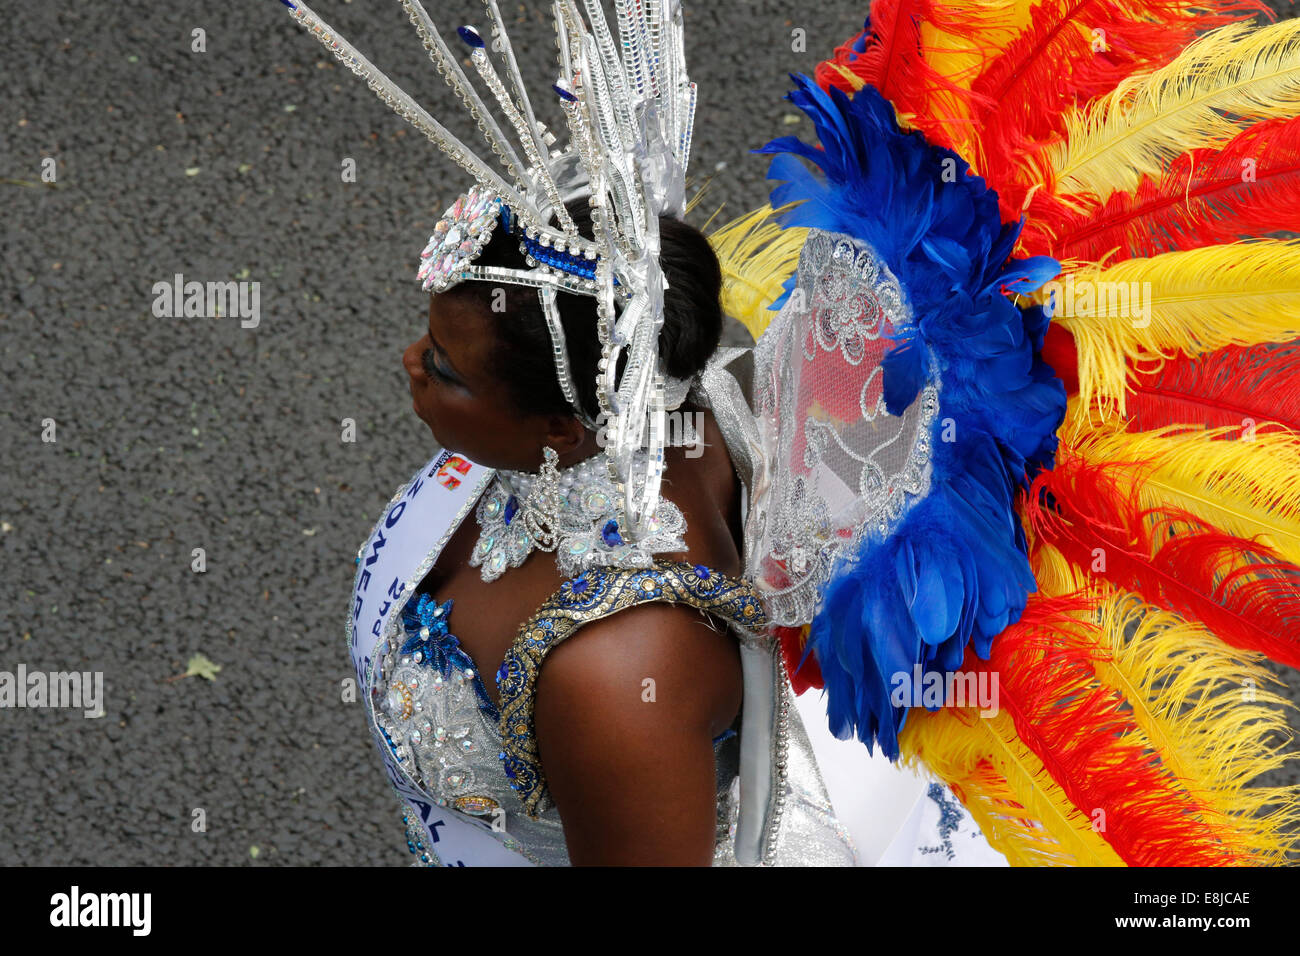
column 629, row 109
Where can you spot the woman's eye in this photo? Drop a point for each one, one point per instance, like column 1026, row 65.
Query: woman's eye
column 431, row 367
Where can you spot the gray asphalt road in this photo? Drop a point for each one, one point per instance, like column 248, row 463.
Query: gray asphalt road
column 180, row 433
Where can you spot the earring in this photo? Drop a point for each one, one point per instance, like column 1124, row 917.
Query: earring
column 541, row 511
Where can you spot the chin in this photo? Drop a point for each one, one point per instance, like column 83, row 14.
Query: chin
column 428, row 424
column 434, row 433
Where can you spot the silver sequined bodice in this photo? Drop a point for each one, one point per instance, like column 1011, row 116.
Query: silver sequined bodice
column 444, row 728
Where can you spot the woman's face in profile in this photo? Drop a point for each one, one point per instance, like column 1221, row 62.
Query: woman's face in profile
column 459, row 397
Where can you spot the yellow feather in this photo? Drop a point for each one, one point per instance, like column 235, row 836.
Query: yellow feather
column 1021, row 811
column 1203, row 708
column 1200, row 708
column 1251, row 72
column 1053, row 572
column 1190, row 301
column 1244, row 487
column 1202, row 705
column 756, row 256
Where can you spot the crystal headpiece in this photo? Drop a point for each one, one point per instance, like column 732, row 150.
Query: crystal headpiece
column 629, row 109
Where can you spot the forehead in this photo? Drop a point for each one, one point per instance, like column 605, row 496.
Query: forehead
column 462, row 327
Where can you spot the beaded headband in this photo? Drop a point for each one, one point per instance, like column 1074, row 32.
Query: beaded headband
column 629, row 109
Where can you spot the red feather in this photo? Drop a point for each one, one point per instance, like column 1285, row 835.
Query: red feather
column 792, row 648
column 1018, row 100
column 1234, row 385
column 1242, row 591
column 1202, row 200
column 1088, row 741
column 1051, row 66
column 893, row 60
column 1060, row 352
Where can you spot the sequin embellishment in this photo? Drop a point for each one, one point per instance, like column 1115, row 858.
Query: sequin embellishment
column 426, row 715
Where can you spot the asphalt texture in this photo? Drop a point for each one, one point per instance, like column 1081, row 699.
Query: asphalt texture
column 173, row 434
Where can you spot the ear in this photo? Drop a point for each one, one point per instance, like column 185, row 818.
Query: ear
column 564, row 433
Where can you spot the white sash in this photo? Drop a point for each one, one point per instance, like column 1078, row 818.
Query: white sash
column 390, row 565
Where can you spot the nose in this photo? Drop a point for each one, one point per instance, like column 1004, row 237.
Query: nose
column 411, row 360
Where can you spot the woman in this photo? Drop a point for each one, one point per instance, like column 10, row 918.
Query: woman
column 917, row 538
column 647, row 687
column 483, row 382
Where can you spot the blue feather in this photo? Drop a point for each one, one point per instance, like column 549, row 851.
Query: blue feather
column 954, row 571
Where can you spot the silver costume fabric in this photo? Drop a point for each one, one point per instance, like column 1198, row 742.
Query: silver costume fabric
column 454, row 739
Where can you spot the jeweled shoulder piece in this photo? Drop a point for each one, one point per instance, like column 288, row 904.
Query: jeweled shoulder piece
column 629, row 109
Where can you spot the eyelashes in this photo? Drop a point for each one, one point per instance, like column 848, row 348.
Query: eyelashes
column 430, row 367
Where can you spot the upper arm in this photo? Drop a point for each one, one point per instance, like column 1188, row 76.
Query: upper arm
column 624, row 715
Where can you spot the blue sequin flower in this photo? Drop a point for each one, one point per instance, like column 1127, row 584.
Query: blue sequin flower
column 438, row 647
column 586, row 590
column 427, row 624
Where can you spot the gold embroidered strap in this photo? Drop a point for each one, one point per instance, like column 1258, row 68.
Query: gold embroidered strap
column 590, row 596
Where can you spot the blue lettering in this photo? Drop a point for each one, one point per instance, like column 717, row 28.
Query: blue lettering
column 379, row 542
column 395, row 589
column 416, row 485
column 365, row 581
column 395, row 515
column 356, row 612
column 433, row 829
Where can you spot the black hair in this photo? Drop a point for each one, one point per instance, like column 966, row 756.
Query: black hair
column 523, row 360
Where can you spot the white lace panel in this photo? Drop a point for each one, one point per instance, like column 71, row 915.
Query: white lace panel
column 839, row 466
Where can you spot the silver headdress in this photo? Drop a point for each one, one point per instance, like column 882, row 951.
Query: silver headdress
column 629, row 108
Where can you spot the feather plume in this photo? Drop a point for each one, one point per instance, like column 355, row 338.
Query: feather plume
column 1088, row 741
column 1187, row 302
column 891, row 52
column 1150, row 119
column 1245, row 488
column 757, row 256
column 1072, row 52
column 1114, row 728
column 1235, row 386
column 1245, row 593
column 1207, row 196
column 1020, row 810
column 1207, row 712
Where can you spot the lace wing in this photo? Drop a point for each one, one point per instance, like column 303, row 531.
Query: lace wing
column 841, row 468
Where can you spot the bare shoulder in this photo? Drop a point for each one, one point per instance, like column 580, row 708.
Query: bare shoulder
column 669, row 652
column 625, row 713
